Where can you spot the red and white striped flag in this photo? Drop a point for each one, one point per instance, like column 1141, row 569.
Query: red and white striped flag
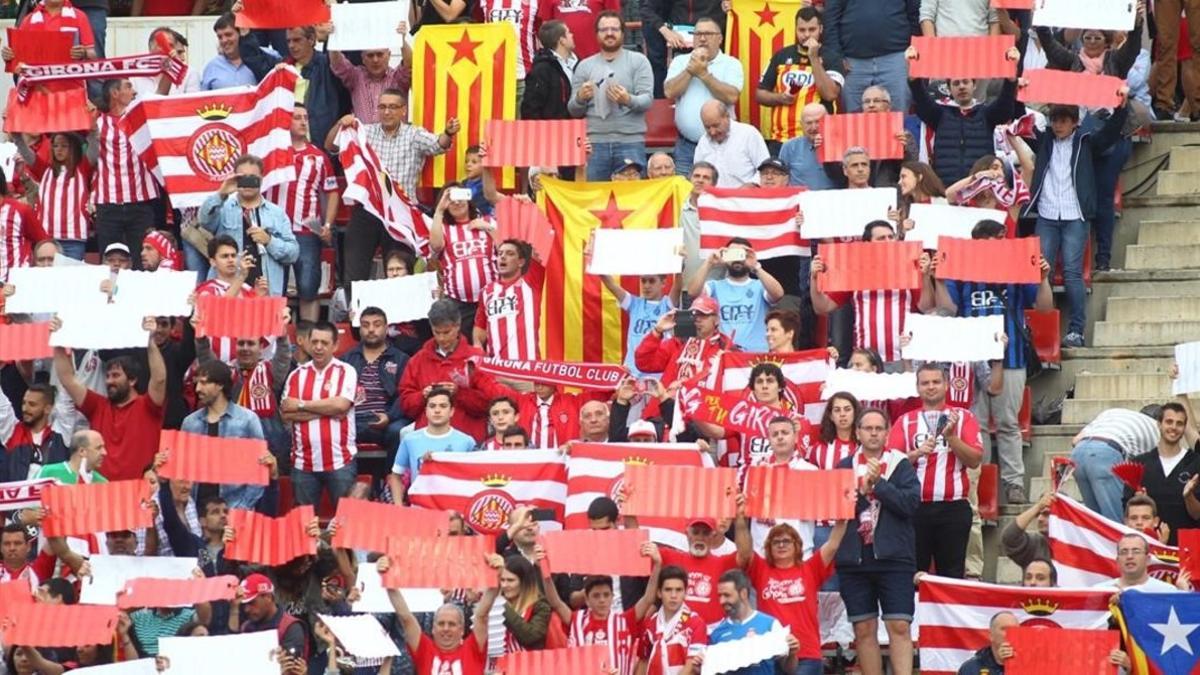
column 485, row 486
column 598, row 470
column 368, row 184
column 764, row 216
column 805, row 372
column 191, row 141
column 954, row 615
column 1084, row 545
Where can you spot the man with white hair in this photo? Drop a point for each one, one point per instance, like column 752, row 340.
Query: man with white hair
column 736, row 149
column 660, row 165
column 800, row 154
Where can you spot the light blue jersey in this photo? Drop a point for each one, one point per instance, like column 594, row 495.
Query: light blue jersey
column 744, row 308
column 417, row 444
column 643, row 314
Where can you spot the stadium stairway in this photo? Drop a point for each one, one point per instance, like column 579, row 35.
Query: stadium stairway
column 1137, row 312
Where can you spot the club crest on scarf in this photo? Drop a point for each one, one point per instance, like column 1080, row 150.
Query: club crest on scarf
column 215, row 147
column 489, row 511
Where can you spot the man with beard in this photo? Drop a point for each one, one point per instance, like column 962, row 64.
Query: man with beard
column 742, row 621
column 1170, row 465
column 218, row 416
column 30, row 442
column 14, row 556
column 506, row 323
column 159, row 252
column 681, row 358
column 745, row 295
column 256, row 594
column 702, row 565
column 377, row 415
column 129, row 422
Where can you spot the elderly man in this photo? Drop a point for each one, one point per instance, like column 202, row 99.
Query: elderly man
column 693, row 79
column 660, row 165
column 735, row 148
column 991, row 658
column 366, row 82
column 800, row 154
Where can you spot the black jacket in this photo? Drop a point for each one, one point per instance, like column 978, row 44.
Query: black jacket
column 983, row 662
column 547, row 89
column 895, row 539
column 960, row 137
column 1084, row 146
column 15, row 460
column 1116, row 62
column 680, row 12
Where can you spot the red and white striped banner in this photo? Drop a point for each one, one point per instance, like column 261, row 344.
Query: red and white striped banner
column 191, row 141
column 368, row 185
column 1084, row 544
column 140, row 65
column 876, row 131
column 954, row 615
column 24, row 494
column 974, row 56
column 764, row 216
column 485, row 486
column 805, row 372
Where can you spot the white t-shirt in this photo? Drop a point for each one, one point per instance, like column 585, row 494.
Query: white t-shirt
column 1151, row 585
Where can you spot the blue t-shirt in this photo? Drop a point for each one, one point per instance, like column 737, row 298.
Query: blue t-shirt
column 744, row 310
column 757, row 624
column 481, row 204
column 1010, row 300
column 416, row 444
column 643, row 314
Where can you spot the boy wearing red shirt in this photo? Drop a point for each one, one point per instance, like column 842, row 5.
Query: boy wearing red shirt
column 670, row 635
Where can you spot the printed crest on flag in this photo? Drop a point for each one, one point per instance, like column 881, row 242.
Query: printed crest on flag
column 754, row 31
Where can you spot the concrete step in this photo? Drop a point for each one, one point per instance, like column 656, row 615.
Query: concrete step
column 1130, row 309
column 1121, row 334
column 1084, row 410
column 1172, row 183
column 1185, row 158
column 1048, row 456
column 1039, row 485
column 1163, row 256
column 1008, row 572
column 1169, row 231
column 1128, row 385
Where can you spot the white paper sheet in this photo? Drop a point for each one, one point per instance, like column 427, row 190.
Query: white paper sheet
column 243, row 654
column 374, row 599
column 50, row 289
column 367, row 26
column 100, row 327
column 942, row 338
column 1187, row 357
column 111, row 572
column 636, row 252
column 931, row 221
column 161, row 293
column 1098, row 14
column 361, row 635
column 843, row 213
column 729, row 656
column 139, row 667
column 870, row 386
column 8, row 159
column 600, row 99
column 402, row 299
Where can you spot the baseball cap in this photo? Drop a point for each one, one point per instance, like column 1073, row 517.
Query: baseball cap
column 773, row 163
column 705, row 305
column 707, row 522
column 117, row 247
column 628, row 162
column 642, row 428
column 255, row 585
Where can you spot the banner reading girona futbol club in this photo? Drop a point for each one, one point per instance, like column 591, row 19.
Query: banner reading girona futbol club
column 581, row 320
column 754, row 31
column 191, row 141
column 466, row 72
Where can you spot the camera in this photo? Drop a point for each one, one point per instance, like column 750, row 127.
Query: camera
column 733, row 254
column 458, row 194
column 249, row 181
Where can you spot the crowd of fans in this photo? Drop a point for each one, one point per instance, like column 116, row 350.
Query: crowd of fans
column 319, row 396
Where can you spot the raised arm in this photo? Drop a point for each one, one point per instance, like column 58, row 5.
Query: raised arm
column 646, row 603
column 156, row 387
column 64, row 367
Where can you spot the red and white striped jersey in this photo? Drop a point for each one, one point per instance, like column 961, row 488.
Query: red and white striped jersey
column 829, row 455
column 879, row 319
column 521, row 14
column 121, row 178
column 62, row 198
column 325, row 443
column 943, row 476
column 492, row 443
column 225, row 348
column 615, row 631
column 467, row 262
column 301, row 198
column 15, row 219
column 510, row 312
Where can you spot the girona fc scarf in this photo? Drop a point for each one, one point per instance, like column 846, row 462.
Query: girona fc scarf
column 141, row 65
column 581, row 375
column 257, row 391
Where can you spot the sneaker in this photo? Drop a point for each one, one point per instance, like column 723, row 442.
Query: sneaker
column 1073, row 340
column 1163, row 115
column 1102, row 267
column 1015, row 494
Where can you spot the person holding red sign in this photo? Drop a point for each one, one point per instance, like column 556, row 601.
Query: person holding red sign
column 670, row 636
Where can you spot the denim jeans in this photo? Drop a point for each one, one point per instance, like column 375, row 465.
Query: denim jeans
column 1100, row 489
column 606, row 158
column 98, row 18
column 685, row 152
column 1108, row 169
column 307, row 267
column 889, row 71
column 195, row 259
column 1068, row 237
column 307, row 485
column 73, row 248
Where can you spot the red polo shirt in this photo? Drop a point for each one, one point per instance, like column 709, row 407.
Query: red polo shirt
column 130, row 432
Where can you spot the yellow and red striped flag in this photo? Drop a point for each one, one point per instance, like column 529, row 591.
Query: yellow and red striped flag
column 464, row 71
column 581, row 320
column 754, row 31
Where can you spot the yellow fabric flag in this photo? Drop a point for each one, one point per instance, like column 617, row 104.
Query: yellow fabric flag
column 468, row 72
column 581, row 320
column 754, row 31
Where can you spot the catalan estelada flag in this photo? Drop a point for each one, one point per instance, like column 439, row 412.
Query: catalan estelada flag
column 754, row 31
column 464, row 71
column 581, row 319
column 1161, row 631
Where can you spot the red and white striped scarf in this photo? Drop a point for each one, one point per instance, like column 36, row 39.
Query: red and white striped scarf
column 121, row 67
column 257, row 392
column 617, row 637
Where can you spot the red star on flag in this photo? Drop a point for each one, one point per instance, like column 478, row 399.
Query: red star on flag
column 766, row 16
column 611, row 217
column 465, row 48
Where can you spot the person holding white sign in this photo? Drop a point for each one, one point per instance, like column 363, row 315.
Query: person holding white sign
column 368, row 81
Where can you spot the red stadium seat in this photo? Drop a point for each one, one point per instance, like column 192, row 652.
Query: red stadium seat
column 345, row 341
column 1024, row 417
column 660, row 124
column 370, row 451
column 1047, row 338
column 989, row 493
